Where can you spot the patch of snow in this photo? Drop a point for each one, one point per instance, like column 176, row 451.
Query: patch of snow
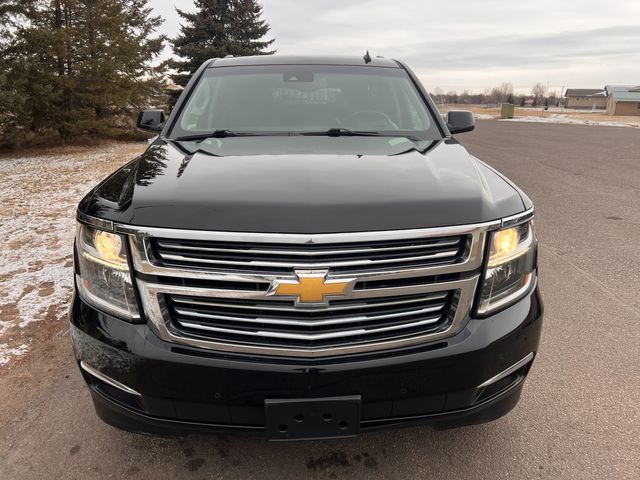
column 39, row 195
column 7, row 353
column 575, row 110
column 484, row 116
column 558, row 118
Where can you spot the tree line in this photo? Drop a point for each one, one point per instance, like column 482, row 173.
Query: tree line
column 72, row 68
column 539, row 96
column 81, row 68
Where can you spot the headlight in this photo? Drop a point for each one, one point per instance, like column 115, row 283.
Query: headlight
column 104, row 279
column 510, row 268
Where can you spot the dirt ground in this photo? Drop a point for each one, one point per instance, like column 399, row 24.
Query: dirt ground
column 39, row 193
column 579, row 416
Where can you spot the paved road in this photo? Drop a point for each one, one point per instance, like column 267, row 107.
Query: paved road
column 580, row 412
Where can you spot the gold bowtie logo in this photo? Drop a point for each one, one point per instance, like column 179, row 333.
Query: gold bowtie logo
column 311, row 288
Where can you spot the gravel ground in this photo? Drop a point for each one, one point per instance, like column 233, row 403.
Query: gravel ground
column 579, row 416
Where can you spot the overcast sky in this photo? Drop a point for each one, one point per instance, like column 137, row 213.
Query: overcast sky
column 465, row 44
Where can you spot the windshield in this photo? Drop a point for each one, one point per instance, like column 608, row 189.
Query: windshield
column 306, row 98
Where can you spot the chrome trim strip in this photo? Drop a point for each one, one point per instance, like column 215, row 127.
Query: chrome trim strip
column 300, row 238
column 508, row 371
column 108, row 380
column 106, row 225
column 311, row 336
column 518, row 218
column 206, row 292
column 308, row 322
column 158, row 315
column 331, row 308
column 312, row 253
column 304, row 264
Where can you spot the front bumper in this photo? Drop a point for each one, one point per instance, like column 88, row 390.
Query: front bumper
column 179, row 389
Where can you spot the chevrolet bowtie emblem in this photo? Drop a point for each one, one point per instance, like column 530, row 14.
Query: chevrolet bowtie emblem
column 311, row 288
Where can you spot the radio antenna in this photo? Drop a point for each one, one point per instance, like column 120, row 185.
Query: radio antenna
column 367, row 57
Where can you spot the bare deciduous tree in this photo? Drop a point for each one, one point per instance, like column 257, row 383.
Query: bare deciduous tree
column 439, row 95
column 505, row 90
column 538, row 91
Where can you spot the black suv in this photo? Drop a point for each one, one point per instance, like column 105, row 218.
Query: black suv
column 304, row 251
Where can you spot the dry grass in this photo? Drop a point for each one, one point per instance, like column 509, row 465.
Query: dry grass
column 540, row 112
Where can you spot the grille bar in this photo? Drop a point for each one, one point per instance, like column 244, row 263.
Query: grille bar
column 336, row 306
column 291, row 265
column 303, row 253
column 308, row 323
column 311, row 336
column 252, row 321
column 278, row 258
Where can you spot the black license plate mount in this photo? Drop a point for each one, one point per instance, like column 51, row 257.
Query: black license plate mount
column 312, row 418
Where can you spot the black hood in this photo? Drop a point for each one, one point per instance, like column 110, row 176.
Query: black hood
column 304, row 185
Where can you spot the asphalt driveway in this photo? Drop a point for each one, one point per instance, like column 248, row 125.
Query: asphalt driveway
column 579, row 416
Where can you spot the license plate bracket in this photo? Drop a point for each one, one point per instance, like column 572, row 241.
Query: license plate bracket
column 312, row 418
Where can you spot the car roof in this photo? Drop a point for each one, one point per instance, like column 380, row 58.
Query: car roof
column 303, row 60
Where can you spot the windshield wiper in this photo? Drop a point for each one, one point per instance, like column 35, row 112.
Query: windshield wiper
column 342, row 132
column 345, row 132
column 332, row 132
column 215, row 134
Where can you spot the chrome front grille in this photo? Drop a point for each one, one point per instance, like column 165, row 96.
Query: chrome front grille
column 215, row 290
column 283, row 258
column 280, row 323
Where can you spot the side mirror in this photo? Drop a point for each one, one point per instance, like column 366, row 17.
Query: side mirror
column 459, row 121
column 151, row 120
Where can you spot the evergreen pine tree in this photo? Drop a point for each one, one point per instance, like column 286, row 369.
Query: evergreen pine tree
column 84, row 65
column 12, row 100
column 115, row 50
column 215, row 29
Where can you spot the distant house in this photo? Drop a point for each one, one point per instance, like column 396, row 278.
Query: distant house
column 623, row 100
column 585, row 98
